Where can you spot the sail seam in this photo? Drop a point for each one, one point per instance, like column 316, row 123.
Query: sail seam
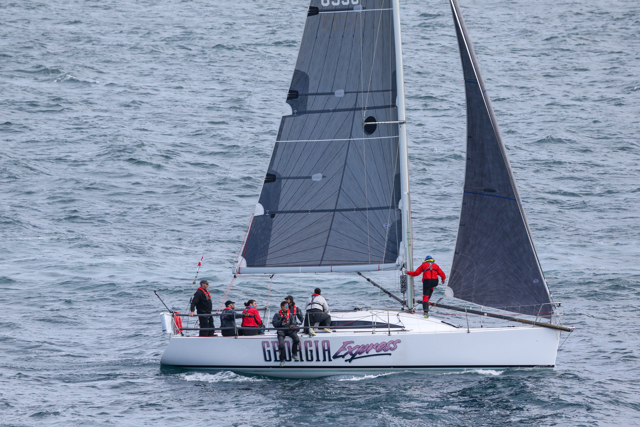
column 307, row 211
column 337, row 139
column 354, row 11
column 343, row 110
column 333, row 216
column 351, row 92
column 490, row 195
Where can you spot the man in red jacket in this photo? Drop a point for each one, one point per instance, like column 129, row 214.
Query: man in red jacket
column 430, row 272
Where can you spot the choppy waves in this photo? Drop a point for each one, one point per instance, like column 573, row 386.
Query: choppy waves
column 135, row 138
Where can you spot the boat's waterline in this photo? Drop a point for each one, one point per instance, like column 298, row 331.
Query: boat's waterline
column 293, row 372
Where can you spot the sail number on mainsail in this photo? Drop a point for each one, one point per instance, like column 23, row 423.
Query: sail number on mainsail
column 339, row 2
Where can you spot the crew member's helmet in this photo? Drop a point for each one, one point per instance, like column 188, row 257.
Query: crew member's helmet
column 429, row 258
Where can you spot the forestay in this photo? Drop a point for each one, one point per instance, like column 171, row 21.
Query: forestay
column 330, row 198
column 495, row 263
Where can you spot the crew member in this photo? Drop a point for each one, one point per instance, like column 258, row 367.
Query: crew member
column 430, row 272
column 296, row 312
column 251, row 321
column 228, row 319
column 202, row 301
column 317, row 311
column 286, row 320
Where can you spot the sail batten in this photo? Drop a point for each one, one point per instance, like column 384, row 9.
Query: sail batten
column 331, row 193
column 495, row 263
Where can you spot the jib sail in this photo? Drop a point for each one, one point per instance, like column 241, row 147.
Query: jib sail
column 495, row 263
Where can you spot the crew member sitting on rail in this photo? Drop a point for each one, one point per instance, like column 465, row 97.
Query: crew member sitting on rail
column 251, row 320
column 202, row 301
column 317, row 311
column 296, row 312
column 285, row 321
column 430, row 272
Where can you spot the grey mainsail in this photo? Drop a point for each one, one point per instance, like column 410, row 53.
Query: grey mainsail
column 331, row 193
column 495, row 263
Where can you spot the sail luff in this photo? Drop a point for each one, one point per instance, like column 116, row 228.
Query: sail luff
column 407, row 234
column 490, row 189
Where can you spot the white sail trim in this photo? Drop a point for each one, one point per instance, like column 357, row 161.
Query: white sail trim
column 336, row 139
column 315, row 269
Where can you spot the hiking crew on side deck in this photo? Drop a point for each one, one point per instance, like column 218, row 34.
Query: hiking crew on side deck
column 286, row 321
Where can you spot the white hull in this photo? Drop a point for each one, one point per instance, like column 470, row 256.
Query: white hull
column 423, row 344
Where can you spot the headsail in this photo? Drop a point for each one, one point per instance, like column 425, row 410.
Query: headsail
column 330, row 198
column 495, row 263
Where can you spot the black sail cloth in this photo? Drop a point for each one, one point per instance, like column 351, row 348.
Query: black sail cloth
column 495, row 263
column 331, row 193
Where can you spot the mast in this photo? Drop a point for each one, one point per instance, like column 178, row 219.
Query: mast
column 407, row 235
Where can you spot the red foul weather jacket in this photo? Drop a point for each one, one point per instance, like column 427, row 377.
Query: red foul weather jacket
column 432, row 273
column 251, row 318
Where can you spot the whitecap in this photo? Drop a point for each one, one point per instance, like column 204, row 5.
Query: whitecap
column 490, row 372
column 219, row 377
column 366, row 377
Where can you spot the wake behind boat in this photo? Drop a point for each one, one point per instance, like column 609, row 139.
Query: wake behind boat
column 336, row 198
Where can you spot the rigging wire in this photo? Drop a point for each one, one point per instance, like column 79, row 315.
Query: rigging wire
column 270, row 285
column 226, row 294
column 565, row 340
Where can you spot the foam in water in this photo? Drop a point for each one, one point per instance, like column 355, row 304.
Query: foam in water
column 219, row 377
column 366, row 377
column 489, row 372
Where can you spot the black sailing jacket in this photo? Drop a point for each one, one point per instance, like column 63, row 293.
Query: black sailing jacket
column 202, row 302
column 228, row 318
column 280, row 321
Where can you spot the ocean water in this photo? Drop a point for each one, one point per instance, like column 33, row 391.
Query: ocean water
column 134, row 137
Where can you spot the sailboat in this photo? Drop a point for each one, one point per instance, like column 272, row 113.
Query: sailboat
column 336, row 199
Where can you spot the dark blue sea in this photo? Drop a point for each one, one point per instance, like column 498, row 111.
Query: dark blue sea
column 134, row 138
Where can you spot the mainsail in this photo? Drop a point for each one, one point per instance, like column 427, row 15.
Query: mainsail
column 495, row 263
column 331, row 195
